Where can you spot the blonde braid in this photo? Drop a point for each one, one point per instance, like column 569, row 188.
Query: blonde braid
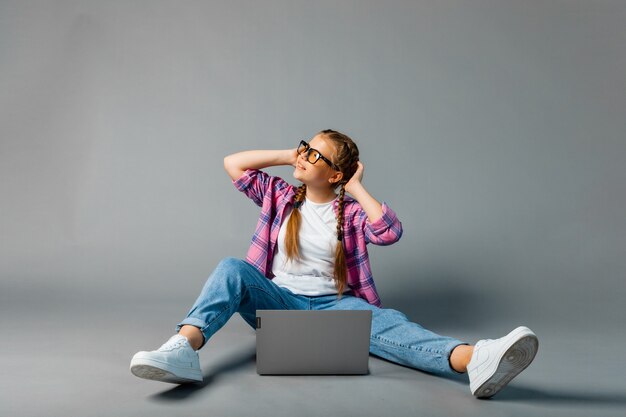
column 300, row 193
column 342, row 192
column 292, row 248
column 340, row 256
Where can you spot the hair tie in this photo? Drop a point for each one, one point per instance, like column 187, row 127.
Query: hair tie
column 297, row 204
column 340, row 236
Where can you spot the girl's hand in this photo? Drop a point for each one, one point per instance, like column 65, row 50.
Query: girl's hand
column 292, row 157
column 356, row 178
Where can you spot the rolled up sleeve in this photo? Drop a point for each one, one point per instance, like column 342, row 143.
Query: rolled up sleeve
column 383, row 231
column 255, row 184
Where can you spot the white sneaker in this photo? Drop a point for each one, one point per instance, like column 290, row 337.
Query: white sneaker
column 175, row 361
column 496, row 362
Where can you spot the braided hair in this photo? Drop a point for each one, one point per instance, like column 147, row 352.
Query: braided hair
column 346, row 158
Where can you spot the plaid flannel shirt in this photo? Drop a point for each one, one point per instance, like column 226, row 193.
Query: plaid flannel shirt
column 274, row 195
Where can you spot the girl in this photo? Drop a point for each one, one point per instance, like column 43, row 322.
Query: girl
column 309, row 252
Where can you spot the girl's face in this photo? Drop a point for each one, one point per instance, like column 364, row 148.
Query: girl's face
column 319, row 174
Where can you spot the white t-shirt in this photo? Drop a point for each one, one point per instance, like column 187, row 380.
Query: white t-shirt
column 313, row 273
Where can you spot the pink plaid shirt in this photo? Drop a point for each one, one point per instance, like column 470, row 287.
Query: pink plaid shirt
column 274, row 195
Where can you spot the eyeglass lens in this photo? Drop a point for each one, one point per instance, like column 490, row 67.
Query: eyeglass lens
column 312, row 155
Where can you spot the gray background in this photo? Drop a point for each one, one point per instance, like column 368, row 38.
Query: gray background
column 495, row 129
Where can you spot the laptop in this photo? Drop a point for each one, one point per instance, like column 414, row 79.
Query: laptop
column 313, row 342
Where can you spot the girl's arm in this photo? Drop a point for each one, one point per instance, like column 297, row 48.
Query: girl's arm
column 379, row 223
column 235, row 164
column 371, row 206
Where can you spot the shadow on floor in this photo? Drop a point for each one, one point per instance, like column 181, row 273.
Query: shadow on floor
column 517, row 393
column 182, row 391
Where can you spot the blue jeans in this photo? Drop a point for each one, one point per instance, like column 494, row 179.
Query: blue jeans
column 236, row 286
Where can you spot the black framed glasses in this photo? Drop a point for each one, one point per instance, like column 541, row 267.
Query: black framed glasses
column 313, row 155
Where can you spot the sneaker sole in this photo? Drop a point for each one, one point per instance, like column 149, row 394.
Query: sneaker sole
column 514, row 360
column 157, row 371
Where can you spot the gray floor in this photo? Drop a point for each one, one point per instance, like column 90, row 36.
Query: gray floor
column 70, row 357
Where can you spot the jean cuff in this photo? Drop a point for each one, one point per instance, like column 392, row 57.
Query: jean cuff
column 194, row 322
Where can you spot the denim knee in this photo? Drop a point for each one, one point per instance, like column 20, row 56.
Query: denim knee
column 232, row 268
column 232, row 263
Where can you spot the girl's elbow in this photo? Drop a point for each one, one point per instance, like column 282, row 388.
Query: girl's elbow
column 385, row 239
column 227, row 162
column 232, row 169
column 393, row 236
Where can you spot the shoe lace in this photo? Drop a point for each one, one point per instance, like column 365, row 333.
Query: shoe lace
column 173, row 344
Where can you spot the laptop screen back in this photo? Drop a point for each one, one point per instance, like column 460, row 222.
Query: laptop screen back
column 305, row 342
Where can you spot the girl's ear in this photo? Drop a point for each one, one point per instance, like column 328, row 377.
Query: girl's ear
column 335, row 178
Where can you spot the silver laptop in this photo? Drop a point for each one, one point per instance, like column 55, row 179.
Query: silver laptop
column 299, row 342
